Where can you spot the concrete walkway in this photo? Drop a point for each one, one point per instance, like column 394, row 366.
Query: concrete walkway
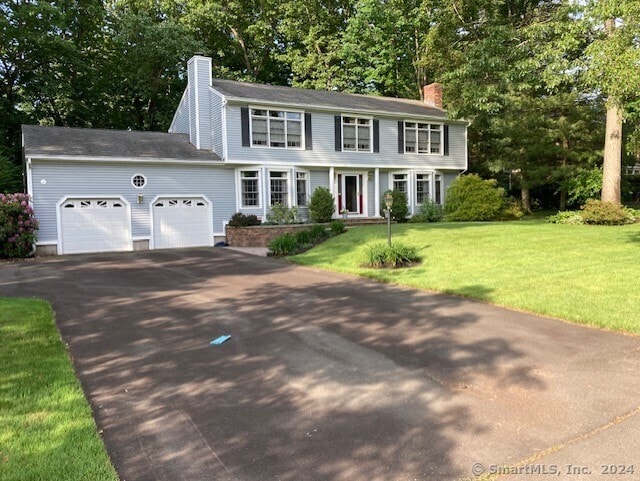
column 329, row 377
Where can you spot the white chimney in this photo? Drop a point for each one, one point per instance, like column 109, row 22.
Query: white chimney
column 199, row 78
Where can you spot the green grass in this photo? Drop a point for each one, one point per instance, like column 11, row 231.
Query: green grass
column 585, row 274
column 46, row 428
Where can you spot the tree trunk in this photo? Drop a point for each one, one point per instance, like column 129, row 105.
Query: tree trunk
column 563, row 199
column 612, row 166
column 525, row 196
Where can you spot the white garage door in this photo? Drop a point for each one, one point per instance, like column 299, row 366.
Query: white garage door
column 182, row 222
column 94, row 225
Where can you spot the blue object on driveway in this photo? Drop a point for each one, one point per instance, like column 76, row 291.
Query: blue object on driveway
column 220, row 340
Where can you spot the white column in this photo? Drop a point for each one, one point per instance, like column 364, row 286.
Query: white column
column 376, row 191
column 332, row 172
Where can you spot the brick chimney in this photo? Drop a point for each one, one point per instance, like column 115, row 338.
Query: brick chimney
column 432, row 94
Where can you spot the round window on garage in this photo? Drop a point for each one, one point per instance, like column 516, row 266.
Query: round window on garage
column 139, row 181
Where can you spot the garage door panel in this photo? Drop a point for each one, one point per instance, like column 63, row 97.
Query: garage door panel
column 95, row 225
column 182, row 222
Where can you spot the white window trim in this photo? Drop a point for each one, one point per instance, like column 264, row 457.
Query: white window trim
column 268, row 185
column 409, row 181
column 433, row 181
column 139, row 187
column 239, row 188
column 307, row 182
column 357, row 117
column 277, row 109
column 404, row 134
column 431, row 175
column 364, row 192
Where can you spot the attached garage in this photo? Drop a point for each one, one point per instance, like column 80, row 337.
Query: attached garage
column 181, row 221
column 94, row 224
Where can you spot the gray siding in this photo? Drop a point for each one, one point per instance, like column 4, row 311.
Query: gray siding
column 216, row 122
column 95, row 179
column 324, row 153
column 180, row 124
column 199, row 71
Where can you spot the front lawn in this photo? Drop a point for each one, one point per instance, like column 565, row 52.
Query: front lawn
column 586, row 274
column 46, row 428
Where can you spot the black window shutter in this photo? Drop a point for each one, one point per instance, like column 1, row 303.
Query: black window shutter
column 244, row 119
column 446, row 140
column 376, row 135
column 308, row 136
column 400, row 137
column 337, row 120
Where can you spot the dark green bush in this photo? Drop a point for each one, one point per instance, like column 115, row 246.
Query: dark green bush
column 303, row 237
column 470, row 198
column 318, row 232
column 399, row 209
column 337, row 227
column 241, row 220
column 597, row 212
column 284, row 245
column 321, row 205
column 394, row 255
column 282, row 214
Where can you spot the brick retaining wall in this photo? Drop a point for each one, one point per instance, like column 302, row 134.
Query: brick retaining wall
column 259, row 235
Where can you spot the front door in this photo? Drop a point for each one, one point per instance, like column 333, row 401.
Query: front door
column 350, row 193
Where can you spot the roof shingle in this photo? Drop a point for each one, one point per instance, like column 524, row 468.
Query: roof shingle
column 245, row 91
column 41, row 141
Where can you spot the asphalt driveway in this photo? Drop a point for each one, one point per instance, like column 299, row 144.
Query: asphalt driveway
column 329, row 377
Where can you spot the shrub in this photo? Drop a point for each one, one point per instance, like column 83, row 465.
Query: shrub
column 282, row 214
column 597, row 212
column 394, row 255
column 241, row 220
column 511, row 210
column 470, row 198
column 303, row 237
column 399, row 209
column 321, row 205
column 337, row 227
column 571, row 217
column 283, row 245
column 318, row 232
column 18, row 226
column 429, row 212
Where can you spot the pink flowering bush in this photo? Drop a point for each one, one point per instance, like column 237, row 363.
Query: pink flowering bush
column 18, row 225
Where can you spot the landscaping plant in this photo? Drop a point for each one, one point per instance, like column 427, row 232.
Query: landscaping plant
column 242, row 220
column 321, row 205
column 282, row 214
column 18, row 226
column 471, row 198
column 394, row 255
column 284, row 245
column 399, row 209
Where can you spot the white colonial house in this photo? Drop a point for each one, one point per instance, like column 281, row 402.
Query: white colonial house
column 235, row 147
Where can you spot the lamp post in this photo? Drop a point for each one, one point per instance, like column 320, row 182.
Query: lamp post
column 388, row 202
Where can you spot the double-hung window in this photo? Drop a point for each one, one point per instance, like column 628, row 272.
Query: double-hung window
column 278, row 188
column 399, row 182
column 438, row 189
column 276, row 128
column 422, row 138
column 301, row 189
column 356, row 134
column 250, row 188
column 423, row 181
